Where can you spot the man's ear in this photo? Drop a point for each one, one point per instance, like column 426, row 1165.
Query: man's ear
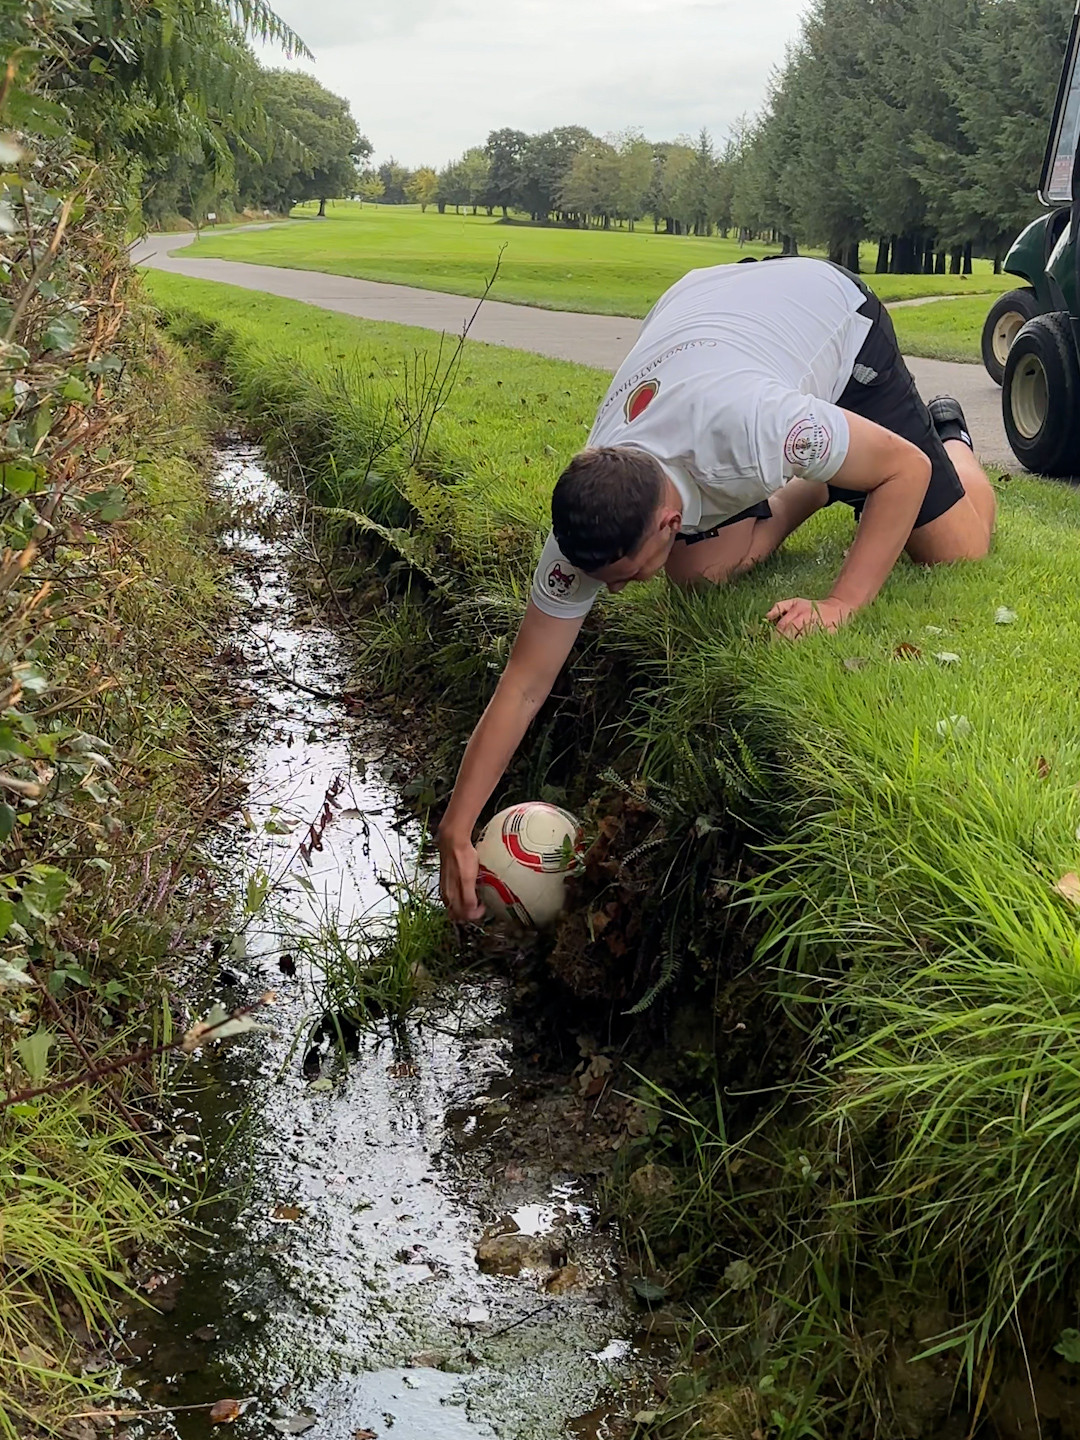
column 671, row 519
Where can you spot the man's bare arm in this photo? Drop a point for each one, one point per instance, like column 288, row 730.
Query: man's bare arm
column 540, row 651
column 895, row 474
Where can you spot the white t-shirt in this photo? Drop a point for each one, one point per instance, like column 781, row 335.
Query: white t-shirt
column 731, row 385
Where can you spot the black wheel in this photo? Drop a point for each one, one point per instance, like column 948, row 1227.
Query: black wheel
column 1007, row 314
column 1040, row 396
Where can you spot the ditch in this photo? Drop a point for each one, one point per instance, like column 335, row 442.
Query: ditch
column 335, row 1288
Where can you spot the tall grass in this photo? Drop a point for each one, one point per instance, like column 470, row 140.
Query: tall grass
column 922, row 772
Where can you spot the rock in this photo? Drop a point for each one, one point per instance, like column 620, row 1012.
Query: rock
column 427, row 1360
column 563, row 1280
column 502, row 1254
column 652, row 1183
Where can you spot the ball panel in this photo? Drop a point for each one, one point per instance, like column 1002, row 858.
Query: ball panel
column 524, row 861
column 500, row 898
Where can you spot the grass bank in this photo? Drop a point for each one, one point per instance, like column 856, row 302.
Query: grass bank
column 888, row 1232
column 945, row 330
column 109, row 596
column 598, row 272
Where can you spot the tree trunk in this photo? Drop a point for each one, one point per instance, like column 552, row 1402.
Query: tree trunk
column 967, row 258
column 997, row 262
column 928, row 258
column 955, row 257
column 322, row 207
column 789, row 245
column 882, row 266
column 851, row 258
column 940, row 261
column 504, row 210
column 836, row 252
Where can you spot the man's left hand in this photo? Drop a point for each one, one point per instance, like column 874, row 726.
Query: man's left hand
column 795, row 618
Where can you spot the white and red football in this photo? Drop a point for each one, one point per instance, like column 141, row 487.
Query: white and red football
column 526, row 853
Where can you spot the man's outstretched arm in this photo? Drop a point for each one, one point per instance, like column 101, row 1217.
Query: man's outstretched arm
column 540, row 651
column 895, row 474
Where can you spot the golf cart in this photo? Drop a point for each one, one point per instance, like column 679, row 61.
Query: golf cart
column 1031, row 342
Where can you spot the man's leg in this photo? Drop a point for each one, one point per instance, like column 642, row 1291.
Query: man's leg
column 962, row 528
column 964, row 531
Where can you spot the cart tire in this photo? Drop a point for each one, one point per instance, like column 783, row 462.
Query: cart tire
column 1007, row 315
column 1040, row 396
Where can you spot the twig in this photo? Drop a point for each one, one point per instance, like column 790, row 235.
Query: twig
column 41, row 269
column 87, row 1060
column 299, row 684
column 136, row 1057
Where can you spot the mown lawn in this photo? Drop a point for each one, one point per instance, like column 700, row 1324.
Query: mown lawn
column 945, row 330
column 919, row 813
column 599, row 272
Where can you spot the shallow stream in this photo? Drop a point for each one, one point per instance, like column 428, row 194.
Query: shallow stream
column 336, row 1291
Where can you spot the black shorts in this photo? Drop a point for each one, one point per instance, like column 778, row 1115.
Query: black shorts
column 884, row 393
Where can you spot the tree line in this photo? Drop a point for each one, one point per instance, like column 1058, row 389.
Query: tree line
column 917, row 124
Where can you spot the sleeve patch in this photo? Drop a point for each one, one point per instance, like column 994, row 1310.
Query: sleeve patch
column 808, row 444
column 559, row 582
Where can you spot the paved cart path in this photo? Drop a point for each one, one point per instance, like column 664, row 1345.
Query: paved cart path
column 598, row 340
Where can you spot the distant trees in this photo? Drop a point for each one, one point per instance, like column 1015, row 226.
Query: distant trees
column 917, row 123
column 422, row 187
column 312, row 148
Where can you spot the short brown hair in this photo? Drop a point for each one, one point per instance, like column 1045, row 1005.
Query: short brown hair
column 603, row 504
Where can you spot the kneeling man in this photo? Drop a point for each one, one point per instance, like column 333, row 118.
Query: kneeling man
column 754, row 396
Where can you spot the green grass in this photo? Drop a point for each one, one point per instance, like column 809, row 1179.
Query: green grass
column 599, row 272
column 945, row 330
column 915, row 815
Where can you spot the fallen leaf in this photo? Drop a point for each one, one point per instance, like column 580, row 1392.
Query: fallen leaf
column 855, row 662
column 224, row 1412
column 1004, row 616
column 286, row 1212
column 648, row 1290
column 295, row 1425
column 934, row 630
column 1042, row 768
column 958, row 725
column 906, row 651
column 364, row 1435
column 946, row 657
column 1069, row 887
column 403, row 1070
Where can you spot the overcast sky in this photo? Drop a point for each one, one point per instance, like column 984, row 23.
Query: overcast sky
column 428, row 78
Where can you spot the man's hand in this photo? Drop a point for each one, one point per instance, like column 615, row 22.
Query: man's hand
column 457, row 880
column 794, row 618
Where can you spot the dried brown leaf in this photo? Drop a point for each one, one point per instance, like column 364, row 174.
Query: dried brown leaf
column 906, row 651
column 224, row 1412
column 1069, row 887
column 1042, row 768
column 286, row 1212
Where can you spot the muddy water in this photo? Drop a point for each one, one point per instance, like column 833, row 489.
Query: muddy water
column 337, row 1290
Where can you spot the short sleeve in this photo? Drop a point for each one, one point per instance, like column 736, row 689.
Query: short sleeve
column 560, row 589
column 799, row 435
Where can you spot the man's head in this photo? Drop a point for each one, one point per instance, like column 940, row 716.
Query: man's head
column 615, row 514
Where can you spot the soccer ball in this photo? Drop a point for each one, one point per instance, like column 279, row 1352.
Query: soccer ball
column 526, row 853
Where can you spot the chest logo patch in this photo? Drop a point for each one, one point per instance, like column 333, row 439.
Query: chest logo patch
column 808, row 443
column 639, row 399
column 561, row 584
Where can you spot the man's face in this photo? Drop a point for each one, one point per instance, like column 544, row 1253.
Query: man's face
column 648, row 559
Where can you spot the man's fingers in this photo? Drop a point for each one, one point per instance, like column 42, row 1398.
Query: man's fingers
column 780, row 609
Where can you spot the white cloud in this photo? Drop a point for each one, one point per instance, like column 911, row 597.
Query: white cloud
column 427, row 78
